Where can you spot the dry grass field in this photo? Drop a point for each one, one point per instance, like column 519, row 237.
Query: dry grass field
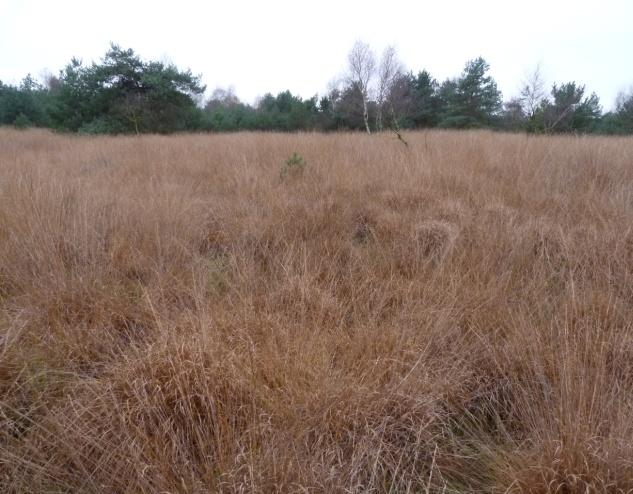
column 188, row 314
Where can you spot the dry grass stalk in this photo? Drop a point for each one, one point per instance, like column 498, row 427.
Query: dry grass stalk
column 450, row 317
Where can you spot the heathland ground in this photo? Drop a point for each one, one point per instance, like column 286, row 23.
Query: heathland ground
column 199, row 313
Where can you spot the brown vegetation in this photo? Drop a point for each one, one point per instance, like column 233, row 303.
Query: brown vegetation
column 452, row 316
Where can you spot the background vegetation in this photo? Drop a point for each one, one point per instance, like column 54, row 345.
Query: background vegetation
column 124, row 94
column 219, row 314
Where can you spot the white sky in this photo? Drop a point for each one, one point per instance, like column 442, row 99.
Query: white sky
column 270, row 46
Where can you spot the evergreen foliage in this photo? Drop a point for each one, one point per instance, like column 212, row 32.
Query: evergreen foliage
column 123, row 94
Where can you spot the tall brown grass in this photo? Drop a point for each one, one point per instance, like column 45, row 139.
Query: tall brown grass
column 179, row 315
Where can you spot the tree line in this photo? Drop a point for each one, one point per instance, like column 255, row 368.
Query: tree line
column 123, row 94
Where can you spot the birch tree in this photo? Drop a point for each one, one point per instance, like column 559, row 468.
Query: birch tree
column 389, row 71
column 362, row 67
column 533, row 92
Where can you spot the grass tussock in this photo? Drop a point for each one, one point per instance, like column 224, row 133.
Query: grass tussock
column 455, row 316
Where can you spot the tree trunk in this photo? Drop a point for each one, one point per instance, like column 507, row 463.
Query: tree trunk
column 366, row 114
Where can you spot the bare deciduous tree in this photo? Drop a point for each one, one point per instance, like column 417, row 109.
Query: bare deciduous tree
column 624, row 100
column 389, row 72
column 362, row 66
column 533, row 92
column 222, row 98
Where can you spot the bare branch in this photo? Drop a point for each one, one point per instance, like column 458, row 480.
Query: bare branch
column 362, row 67
column 533, row 92
column 389, row 71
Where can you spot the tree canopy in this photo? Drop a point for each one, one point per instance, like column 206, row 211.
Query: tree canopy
column 125, row 94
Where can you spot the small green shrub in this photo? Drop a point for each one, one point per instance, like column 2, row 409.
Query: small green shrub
column 218, row 272
column 294, row 166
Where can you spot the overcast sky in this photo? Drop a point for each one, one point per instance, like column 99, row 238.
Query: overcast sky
column 270, row 46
